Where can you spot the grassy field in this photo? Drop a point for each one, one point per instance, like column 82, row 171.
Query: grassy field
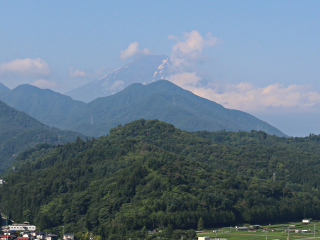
column 267, row 232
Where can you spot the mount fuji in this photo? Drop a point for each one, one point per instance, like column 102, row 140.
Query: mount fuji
column 145, row 69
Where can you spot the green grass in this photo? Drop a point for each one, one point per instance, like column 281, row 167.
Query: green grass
column 276, row 231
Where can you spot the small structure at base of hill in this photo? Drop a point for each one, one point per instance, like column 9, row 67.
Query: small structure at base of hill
column 203, row 238
column 242, row 228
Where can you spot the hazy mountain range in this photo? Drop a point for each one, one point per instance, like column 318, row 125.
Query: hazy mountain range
column 158, row 100
column 19, row 131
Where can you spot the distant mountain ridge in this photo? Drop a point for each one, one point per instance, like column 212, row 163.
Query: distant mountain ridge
column 3, row 89
column 145, row 69
column 158, row 100
column 44, row 105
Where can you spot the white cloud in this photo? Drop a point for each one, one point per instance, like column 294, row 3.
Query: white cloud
column 44, row 84
column 186, row 56
column 27, row 66
column 185, row 79
column 74, row 73
column 189, row 49
column 114, row 86
column 133, row 49
column 247, row 97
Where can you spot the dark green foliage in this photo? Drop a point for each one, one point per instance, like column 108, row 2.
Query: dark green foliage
column 150, row 175
column 200, row 224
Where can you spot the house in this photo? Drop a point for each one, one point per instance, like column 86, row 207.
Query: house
column 22, row 227
column 68, row 236
column 52, row 237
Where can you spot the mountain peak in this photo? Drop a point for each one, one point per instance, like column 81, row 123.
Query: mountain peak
column 170, row 103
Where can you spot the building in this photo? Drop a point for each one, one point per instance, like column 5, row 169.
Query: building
column 52, row 237
column 22, row 227
column 203, row 238
column 306, row 220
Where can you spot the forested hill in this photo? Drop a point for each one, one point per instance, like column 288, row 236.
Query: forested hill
column 18, row 131
column 148, row 174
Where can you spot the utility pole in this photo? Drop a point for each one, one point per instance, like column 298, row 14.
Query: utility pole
column 266, row 233
column 274, row 177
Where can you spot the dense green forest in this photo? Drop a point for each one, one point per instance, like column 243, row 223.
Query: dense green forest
column 150, row 175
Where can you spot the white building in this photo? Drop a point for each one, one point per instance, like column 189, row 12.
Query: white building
column 306, row 220
column 203, row 238
column 22, row 227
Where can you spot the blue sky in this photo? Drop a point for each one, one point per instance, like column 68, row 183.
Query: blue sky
column 261, row 57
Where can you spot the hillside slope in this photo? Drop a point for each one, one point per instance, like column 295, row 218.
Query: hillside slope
column 18, row 131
